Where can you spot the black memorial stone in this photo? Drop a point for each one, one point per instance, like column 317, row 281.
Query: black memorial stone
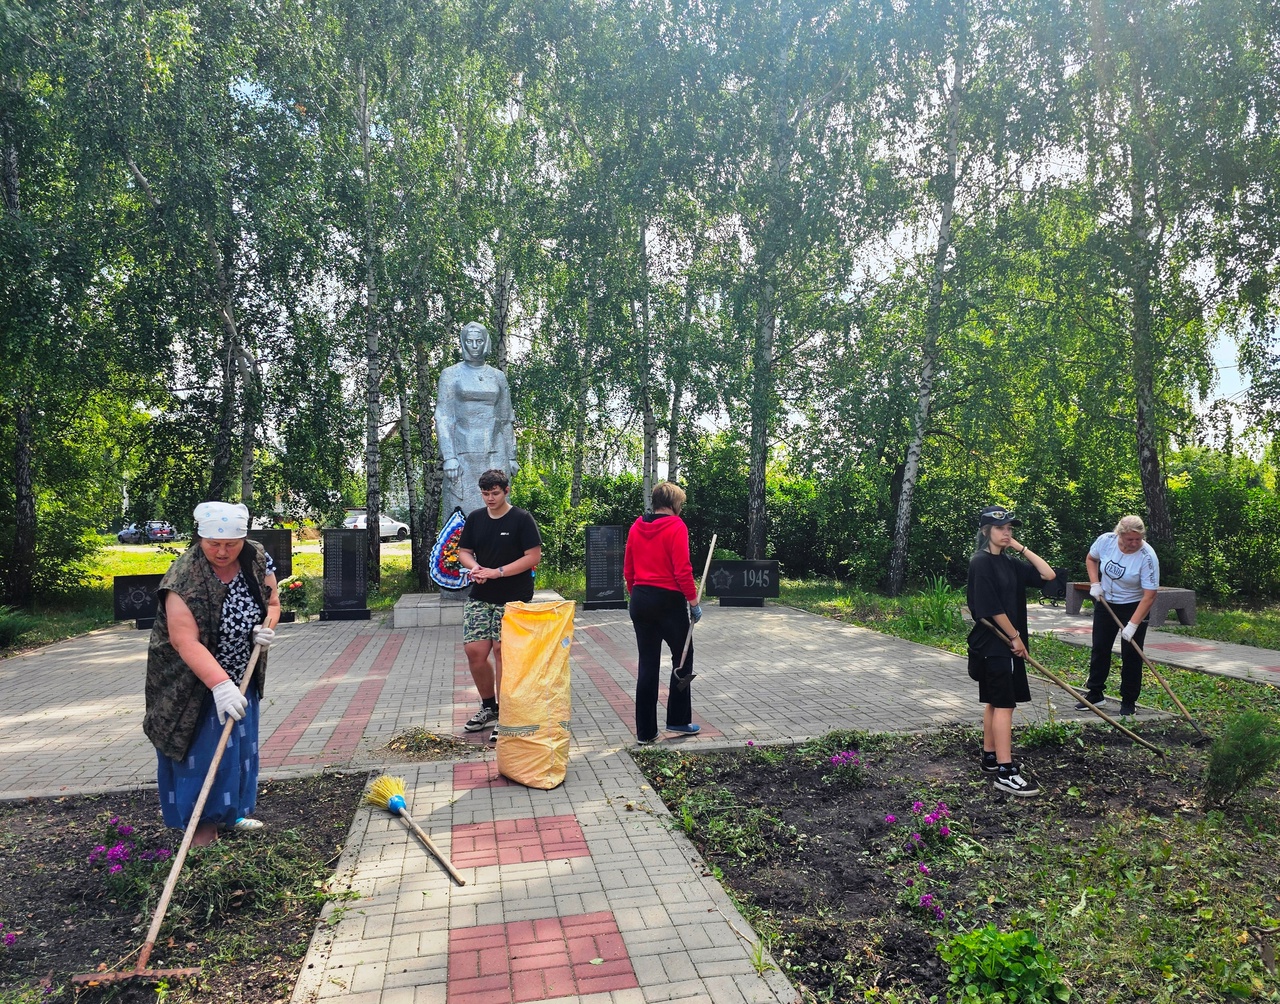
column 135, row 596
column 606, row 546
column 743, row 583
column 278, row 544
column 345, row 586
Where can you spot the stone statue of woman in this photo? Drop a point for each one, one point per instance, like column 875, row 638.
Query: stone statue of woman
column 473, row 421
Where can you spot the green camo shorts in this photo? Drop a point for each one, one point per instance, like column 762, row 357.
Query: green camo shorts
column 482, row 621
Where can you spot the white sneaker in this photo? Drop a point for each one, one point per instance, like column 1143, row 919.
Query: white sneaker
column 1014, row 782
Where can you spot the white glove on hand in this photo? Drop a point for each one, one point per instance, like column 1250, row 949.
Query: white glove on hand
column 264, row 636
column 1129, row 631
column 695, row 612
column 229, row 701
column 1095, row 590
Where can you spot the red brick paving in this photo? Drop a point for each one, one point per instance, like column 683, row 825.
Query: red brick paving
column 477, row 775
column 516, row 841
column 536, row 960
column 281, row 742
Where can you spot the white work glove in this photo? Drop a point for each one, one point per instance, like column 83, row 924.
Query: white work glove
column 264, row 636
column 695, row 612
column 1095, row 590
column 1129, row 631
column 229, row 701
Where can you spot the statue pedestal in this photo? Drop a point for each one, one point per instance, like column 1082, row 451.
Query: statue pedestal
column 427, row 610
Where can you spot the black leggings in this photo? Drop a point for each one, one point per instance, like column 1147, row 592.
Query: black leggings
column 660, row 615
column 1104, row 636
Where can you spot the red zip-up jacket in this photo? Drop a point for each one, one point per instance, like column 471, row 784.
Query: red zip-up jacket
column 658, row 555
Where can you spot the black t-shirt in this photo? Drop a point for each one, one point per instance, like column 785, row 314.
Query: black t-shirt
column 498, row 542
column 998, row 585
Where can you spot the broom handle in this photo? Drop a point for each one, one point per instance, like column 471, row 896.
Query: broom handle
column 453, row 872
column 1151, row 666
column 688, row 639
column 1084, row 700
column 180, row 858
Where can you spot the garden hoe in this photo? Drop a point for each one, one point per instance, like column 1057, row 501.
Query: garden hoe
column 1054, row 678
column 1154, row 672
column 140, row 970
column 683, row 681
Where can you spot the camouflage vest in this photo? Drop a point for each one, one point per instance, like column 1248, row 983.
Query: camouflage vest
column 174, row 693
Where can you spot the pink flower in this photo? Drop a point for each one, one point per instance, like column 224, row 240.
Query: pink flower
column 750, row 742
column 890, row 818
column 916, row 807
column 9, row 938
column 115, row 868
column 945, row 830
column 924, row 868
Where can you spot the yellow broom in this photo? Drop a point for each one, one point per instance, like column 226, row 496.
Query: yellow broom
column 388, row 793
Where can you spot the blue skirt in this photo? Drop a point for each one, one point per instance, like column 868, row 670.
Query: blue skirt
column 235, row 786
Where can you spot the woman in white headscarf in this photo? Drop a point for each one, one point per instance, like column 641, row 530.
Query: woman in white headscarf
column 218, row 599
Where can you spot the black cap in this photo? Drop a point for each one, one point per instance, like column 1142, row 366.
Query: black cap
column 997, row 515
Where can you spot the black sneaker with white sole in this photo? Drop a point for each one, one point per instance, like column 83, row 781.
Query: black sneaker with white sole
column 1098, row 702
column 482, row 719
column 1010, row 779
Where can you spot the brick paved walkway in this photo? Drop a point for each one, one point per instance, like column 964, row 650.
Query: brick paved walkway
column 581, row 894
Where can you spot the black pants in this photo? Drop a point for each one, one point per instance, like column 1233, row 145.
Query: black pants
column 1104, row 636
column 660, row 615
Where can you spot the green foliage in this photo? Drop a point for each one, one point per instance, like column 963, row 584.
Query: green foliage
column 990, row 966
column 1247, row 750
column 935, row 610
column 729, row 829
column 13, row 625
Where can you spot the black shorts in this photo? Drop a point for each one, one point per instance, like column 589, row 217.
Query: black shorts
column 1003, row 682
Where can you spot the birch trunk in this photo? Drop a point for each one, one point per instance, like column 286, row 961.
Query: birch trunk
column 761, row 408
column 373, row 370
column 932, row 324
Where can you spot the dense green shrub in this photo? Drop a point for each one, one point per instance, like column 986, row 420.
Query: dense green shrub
column 1246, row 751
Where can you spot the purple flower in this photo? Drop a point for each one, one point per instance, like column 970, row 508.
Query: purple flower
column 113, row 820
column 944, row 831
column 937, row 912
column 931, row 819
column 163, row 853
column 942, row 810
column 924, row 868
column 115, row 868
column 750, row 742
column 9, row 938
column 124, row 831
column 890, row 818
column 916, row 838
column 926, row 899
column 910, row 883
column 916, row 807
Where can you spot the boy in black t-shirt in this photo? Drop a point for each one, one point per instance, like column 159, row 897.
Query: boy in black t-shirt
column 998, row 593
column 501, row 546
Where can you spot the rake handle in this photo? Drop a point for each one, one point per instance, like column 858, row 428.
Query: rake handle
column 688, row 639
column 1151, row 666
column 1054, row 678
column 180, row 858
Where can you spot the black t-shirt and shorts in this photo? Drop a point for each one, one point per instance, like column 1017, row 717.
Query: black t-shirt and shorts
column 495, row 543
column 998, row 585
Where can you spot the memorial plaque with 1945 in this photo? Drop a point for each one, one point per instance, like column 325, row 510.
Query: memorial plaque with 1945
column 743, row 582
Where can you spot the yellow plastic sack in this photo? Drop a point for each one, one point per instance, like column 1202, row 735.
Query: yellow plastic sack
column 533, row 730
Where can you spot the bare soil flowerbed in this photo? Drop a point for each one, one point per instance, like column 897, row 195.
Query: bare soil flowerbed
column 1139, row 894
column 244, row 911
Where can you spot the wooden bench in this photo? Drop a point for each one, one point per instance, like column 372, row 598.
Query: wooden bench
column 1169, row 599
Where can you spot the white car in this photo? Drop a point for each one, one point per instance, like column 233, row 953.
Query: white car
column 390, row 529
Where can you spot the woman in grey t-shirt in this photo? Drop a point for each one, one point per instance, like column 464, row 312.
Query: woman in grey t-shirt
column 1123, row 570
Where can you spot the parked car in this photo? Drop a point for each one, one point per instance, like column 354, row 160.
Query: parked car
column 161, row 531
column 390, row 529
column 154, row 531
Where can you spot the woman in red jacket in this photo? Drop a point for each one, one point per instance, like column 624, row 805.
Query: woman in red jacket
column 660, row 580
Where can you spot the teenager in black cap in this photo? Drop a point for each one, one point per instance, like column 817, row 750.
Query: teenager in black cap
column 997, row 592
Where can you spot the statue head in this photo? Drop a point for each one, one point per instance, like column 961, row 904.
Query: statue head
column 474, row 341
